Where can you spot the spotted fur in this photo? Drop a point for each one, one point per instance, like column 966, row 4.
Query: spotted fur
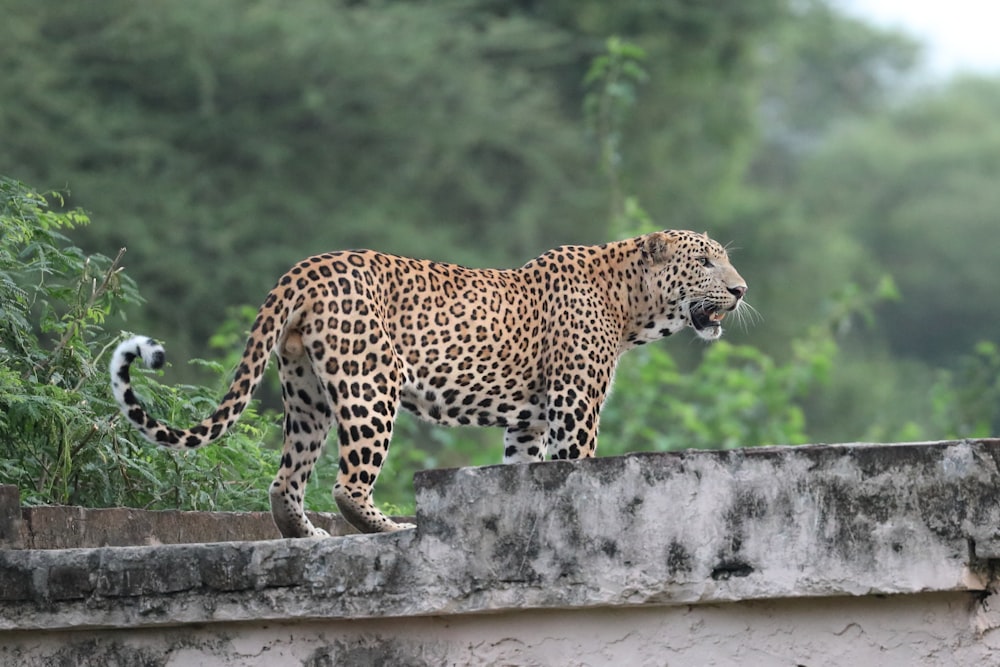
column 360, row 334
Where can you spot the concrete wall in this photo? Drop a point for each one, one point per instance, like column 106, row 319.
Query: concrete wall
column 818, row 555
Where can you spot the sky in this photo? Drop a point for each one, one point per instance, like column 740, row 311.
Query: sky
column 959, row 35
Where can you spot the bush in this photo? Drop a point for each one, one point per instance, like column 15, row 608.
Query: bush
column 61, row 437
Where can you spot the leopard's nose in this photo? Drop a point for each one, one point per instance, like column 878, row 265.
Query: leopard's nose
column 738, row 291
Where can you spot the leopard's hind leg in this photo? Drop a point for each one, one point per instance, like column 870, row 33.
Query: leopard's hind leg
column 308, row 418
column 366, row 395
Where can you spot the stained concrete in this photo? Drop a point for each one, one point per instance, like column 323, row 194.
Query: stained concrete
column 63, row 527
column 560, row 553
column 68, row 527
column 896, row 631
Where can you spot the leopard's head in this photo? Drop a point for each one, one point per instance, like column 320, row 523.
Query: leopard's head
column 691, row 282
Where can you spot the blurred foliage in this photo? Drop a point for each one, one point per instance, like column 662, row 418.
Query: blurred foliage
column 736, row 397
column 612, row 82
column 222, row 141
column 966, row 399
column 926, row 174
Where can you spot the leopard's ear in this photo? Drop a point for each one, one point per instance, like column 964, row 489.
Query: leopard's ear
column 657, row 247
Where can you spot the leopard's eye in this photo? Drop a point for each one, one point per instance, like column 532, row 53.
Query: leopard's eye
column 705, row 261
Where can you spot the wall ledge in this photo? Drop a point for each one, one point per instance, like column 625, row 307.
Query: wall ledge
column 682, row 528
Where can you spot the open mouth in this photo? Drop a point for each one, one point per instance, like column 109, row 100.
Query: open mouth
column 706, row 316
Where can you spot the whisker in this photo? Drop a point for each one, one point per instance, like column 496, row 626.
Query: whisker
column 746, row 315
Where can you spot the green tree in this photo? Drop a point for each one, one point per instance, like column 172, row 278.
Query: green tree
column 916, row 188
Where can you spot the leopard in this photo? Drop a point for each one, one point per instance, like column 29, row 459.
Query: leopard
column 360, row 334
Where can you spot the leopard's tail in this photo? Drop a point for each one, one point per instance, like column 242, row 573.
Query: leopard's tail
column 245, row 382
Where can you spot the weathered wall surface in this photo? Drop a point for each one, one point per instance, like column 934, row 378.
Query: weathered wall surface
column 65, row 527
column 78, row 527
column 893, row 631
column 820, row 555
